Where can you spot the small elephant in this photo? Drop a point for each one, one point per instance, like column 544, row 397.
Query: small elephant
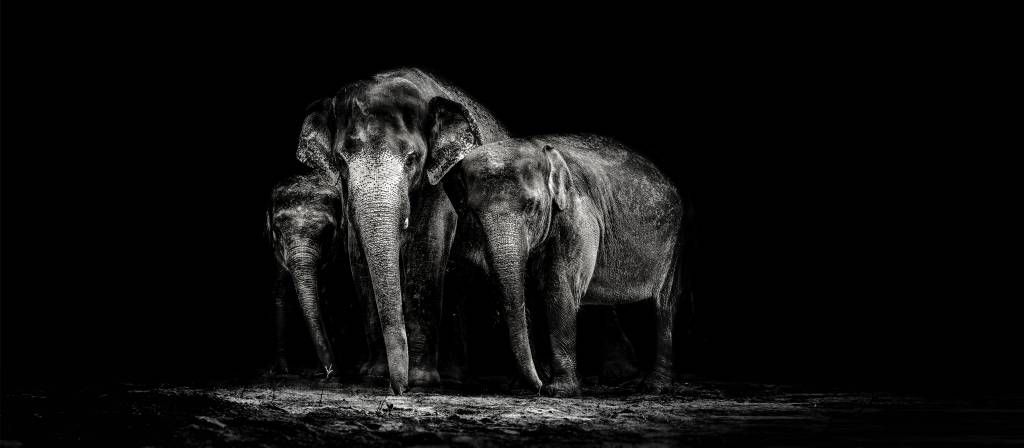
column 307, row 230
column 586, row 219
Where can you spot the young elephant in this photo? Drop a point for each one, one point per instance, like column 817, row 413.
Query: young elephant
column 590, row 222
column 306, row 229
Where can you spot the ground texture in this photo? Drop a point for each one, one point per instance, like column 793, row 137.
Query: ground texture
column 307, row 413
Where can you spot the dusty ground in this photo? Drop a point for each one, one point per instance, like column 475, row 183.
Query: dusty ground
column 303, row 413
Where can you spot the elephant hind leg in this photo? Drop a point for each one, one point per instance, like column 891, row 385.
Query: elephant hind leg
column 619, row 362
column 665, row 307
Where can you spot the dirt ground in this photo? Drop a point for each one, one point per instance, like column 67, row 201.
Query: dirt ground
column 299, row 412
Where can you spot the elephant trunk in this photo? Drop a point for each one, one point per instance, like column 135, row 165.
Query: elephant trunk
column 380, row 217
column 508, row 252
column 303, row 260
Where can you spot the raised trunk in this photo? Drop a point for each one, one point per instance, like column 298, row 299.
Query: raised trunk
column 507, row 253
column 302, row 263
column 379, row 220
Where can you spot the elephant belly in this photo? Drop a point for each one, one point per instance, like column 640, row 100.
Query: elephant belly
column 626, row 283
column 603, row 293
column 630, row 271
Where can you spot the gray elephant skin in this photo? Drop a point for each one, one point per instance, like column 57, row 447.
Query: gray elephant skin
column 306, row 229
column 382, row 139
column 586, row 221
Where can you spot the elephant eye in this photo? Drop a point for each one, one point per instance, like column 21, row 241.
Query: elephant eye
column 412, row 158
column 530, row 205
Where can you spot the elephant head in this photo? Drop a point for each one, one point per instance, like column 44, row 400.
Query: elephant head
column 305, row 226
column 386, row 140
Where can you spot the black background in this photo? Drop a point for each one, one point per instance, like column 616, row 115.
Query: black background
column 139, row 148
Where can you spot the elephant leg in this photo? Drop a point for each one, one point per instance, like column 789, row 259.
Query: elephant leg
column 453, row 357
column 376, row 365
column 562, row 313
column 280, row 318
column 425, row 261
column 662, row 374
column 619, row 363
column 564, row 286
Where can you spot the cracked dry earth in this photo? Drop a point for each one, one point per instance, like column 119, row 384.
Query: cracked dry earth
column 307, row 413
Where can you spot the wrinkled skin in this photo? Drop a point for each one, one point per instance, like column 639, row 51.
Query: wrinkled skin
column 585, row 220
column 383, row 140
column 306, row 228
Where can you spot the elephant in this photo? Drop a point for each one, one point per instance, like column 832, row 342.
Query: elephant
column 582, row 220
column 306, row 230
column 383, row 139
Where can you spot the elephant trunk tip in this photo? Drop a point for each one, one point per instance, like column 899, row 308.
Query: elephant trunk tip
column 535, row 382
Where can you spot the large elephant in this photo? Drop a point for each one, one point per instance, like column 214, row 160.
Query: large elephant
column 306, row 229
column 587, row 220
column 384, row 138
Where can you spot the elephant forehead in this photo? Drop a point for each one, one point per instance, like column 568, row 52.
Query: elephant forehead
column 508, row 162
column 486, row 167
column 302, row 216
column 378, row 166
column 393, row 90
column 387, row 97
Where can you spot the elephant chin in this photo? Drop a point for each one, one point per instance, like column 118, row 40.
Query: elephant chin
column 303, row 260
column 507, row 253
column 380, row 220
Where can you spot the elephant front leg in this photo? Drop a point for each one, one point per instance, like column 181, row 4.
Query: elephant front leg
column 280, row 317
column 422, row 320
column 425, row 260
column 562, row 313
column 375, row 368
column 453, row 356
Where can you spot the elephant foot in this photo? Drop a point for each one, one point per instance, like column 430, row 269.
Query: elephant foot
column 278, row 369
column 616, row 371
column 424, row 377
column 656, row 383
column 562, row 387
column 374, row 371
column 453, row 376
column 521, row 384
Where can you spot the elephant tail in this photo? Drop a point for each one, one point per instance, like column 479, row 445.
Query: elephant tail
column 683, row 284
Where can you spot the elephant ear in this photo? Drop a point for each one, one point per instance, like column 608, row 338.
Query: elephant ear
column 558, row 177
column 453, row 134
column 268, row 228
column 314, row 149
